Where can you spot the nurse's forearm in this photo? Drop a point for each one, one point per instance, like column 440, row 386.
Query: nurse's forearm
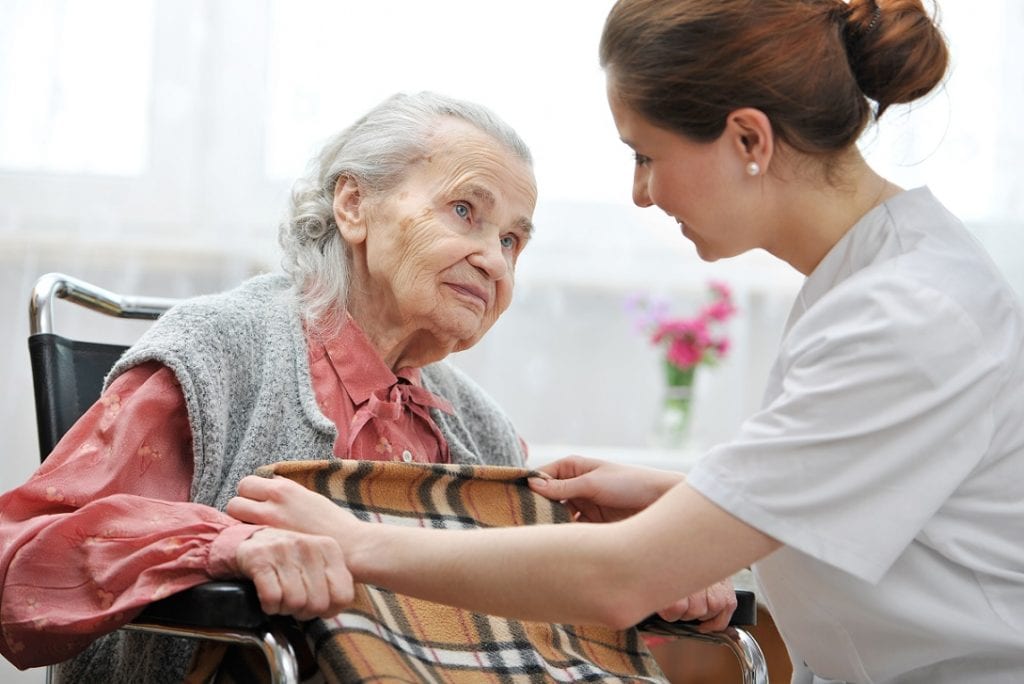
column 610, row 573
column 526, row 573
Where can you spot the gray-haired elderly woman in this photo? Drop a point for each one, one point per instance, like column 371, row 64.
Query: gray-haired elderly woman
column 399, row 249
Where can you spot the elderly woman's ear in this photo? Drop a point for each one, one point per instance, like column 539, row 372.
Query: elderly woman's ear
column 349, row 213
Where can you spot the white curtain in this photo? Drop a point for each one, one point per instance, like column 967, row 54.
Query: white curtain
column 149, row 146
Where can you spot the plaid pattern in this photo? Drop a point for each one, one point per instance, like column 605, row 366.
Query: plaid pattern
column 388, row 637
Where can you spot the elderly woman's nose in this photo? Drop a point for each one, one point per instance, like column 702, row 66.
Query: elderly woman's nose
column 490, row 258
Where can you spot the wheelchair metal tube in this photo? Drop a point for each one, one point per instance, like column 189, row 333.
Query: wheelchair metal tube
column 744, row 647
column 58, row 285
column 284, row 666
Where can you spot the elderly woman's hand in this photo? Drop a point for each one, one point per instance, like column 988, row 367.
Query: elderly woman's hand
column 296, row 574
column 298, row 566
column 712, row 606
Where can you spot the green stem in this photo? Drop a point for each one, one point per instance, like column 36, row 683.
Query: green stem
column 678, row 377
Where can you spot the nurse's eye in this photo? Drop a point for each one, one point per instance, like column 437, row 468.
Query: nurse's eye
column 641, row 160
column 463, row 210
column 510, row 241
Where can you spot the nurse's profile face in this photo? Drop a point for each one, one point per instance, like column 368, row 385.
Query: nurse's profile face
column 695, row 183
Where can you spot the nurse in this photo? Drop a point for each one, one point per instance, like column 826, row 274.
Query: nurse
column 877, row 492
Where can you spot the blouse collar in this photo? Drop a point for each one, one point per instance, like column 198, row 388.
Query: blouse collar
column 362, row 370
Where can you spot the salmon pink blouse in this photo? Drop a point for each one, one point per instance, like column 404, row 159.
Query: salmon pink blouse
column 104, row 527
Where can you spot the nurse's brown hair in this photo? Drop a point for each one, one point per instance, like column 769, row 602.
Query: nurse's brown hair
column 814, row 67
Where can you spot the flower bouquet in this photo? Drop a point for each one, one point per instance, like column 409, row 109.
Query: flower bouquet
column 688, row 343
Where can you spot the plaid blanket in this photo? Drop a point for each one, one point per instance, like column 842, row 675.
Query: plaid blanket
column 388, row 637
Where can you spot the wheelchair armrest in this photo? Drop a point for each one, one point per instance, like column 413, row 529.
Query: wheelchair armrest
column 236, row 605
column 745, row 615
column 221, row 604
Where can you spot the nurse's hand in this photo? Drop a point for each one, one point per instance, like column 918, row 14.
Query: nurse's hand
column 599, row 491
column 284, row 504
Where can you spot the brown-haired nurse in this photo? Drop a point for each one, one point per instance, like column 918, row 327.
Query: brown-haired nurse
column 877, row 491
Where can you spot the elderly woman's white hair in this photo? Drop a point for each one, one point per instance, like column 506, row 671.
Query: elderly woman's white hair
column 376, row 151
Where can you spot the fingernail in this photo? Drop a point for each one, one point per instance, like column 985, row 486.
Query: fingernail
column 537, row 481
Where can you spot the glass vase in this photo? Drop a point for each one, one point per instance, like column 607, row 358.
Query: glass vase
column 672, row 426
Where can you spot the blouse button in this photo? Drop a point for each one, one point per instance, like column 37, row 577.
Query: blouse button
column 407, row 456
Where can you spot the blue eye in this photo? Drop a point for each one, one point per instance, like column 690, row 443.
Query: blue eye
column 509, row 241
column 462, row 210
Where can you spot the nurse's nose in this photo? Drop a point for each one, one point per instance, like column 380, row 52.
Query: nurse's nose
column 641, row 197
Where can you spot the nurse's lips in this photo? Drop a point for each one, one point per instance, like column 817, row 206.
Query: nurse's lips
column 472, row 291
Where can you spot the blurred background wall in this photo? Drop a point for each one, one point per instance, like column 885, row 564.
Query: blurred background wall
column 149, row 146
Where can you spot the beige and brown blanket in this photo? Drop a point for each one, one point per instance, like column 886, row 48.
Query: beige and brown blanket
column 388, row 637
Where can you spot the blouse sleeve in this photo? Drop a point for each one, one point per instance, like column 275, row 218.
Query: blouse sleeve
column 104, row 526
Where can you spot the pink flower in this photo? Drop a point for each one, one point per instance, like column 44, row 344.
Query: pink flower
column 688, row 342
column 722, row 310
column 684, row 353
column 695, row 329
column 720, row 289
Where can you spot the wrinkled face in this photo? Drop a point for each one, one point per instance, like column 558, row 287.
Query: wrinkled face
column 695, row 183
column 436, row 265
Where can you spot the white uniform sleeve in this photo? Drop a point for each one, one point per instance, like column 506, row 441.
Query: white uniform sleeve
column 879, row 408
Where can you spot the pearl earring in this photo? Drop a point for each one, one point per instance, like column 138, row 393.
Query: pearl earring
column 753, row 169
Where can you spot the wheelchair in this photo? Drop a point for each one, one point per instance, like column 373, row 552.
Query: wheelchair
column 67, row 379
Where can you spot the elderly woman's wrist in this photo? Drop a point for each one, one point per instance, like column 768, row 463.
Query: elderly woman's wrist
column 222, row 559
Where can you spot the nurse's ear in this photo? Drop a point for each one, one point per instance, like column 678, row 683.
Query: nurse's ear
column 349, row 210
column 750, row 134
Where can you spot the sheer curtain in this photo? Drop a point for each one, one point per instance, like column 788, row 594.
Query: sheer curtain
column 149, row 145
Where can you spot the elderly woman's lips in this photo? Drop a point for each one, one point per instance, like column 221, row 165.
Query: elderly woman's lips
column 470, row 291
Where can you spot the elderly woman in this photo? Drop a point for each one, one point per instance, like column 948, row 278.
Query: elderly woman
column 400, row 248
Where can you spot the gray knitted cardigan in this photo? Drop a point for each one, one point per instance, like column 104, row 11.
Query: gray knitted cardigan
column 242, row 363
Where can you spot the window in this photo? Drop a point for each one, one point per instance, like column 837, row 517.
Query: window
column 80, row 73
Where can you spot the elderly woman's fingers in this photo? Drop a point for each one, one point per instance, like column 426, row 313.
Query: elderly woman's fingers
column 716, row 623
column 676, row 611
column 721, row 599
column 713, row 607
column 693, row 607
column 269, row 589
column 296, row 574
column 327, row 586
column 253, row 564
column 340, row 583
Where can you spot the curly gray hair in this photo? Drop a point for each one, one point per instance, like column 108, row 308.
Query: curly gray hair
column 376, row 152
